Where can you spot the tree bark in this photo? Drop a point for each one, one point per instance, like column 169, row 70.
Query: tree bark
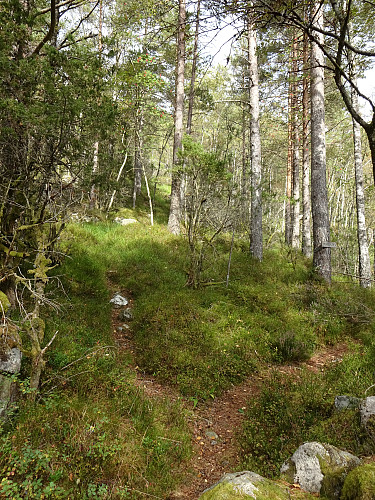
column 306, row 205
column 319, row 197
column 364, row 257
column 295, row 219
column 193, row 70
column 175, row 205
column 256, row 230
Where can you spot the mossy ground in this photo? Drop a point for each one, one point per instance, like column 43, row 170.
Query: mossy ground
column 92, row 434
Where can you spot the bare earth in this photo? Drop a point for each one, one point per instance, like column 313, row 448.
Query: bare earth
column 215, row 423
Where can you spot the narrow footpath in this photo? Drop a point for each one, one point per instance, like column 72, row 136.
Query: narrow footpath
column 213, row 424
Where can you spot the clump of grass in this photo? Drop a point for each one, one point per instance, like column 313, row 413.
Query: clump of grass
column 298, row 408
column 91, row 432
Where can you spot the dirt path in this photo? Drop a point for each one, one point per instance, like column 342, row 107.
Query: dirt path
column 213, row 424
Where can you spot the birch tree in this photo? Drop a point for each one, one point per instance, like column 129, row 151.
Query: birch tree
column 175, row 205
column 256, row 230
column 319, row 196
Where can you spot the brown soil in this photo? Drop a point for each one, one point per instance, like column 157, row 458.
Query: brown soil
column 215, row 423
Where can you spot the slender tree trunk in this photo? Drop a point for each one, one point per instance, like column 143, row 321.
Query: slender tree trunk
column 295, row 225
column 193, row 70
column 364, row 257
column 256, row 230
column 137, row 185
column 175, row 206
column 319, row 197
column 306, row 226
column 95, row 165
column 288, row 183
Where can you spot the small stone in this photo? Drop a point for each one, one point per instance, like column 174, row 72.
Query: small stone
column 213, row 442
column 127, row 314
column 212, row 435
column 119, row 301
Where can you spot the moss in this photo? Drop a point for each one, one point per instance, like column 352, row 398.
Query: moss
column 334, row 469
column 9, row 338
column 263, row 490
column 4, row 302
column 360, row 483
column 223, row 491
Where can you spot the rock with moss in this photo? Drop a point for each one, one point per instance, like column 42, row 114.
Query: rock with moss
column 367, row 411
column 245, row 485
column 10, row 364
column 360, row 483
column 4, row 303
column 319, row 468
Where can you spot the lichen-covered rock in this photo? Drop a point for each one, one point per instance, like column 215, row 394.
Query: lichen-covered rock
column 367, row 410
column 319, row 468
column 4, row 303
column 10, row 364
column 347, row 402
column 360, row 483
column 246, row 485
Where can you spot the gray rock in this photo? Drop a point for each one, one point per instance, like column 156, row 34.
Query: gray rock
column 367, row 410
column 123, row 327
column 241, row 485
column 212, row 435
column 319, row 468
column 119, row 301
column 124, row 222
column 347, row 402
column 126, row 314
column 10, row 361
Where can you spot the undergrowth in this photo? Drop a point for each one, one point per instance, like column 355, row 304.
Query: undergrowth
column 93, row 434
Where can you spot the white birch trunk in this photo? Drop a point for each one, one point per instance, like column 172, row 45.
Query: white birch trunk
column 256, row 230
column 364, row 257
column 319, row 197
column 175, row 206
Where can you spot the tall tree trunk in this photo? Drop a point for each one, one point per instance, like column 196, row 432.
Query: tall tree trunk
column 193, row 70
column 364, row 257
column 295, row 146
column 288, row 182
column 175, row 206
column 95, row 165
column 137, row 184
column 306, row 205
column 319, row 197
column 256, row 230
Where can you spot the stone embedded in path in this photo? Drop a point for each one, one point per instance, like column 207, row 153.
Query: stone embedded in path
column 127, row 314
column 319, row 468
column 212, row 435
column 119, row 301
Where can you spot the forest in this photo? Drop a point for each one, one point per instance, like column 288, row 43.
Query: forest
column 187, row 226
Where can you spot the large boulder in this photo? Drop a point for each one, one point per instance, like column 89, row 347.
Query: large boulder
column 245, row 485
column 319, row 468
column 360, row 483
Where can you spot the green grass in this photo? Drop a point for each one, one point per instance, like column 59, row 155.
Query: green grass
column 93, row 434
